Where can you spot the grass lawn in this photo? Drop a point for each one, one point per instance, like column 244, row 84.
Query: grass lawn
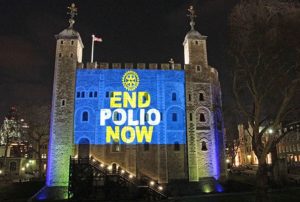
column 19, row 192
column 288, row 195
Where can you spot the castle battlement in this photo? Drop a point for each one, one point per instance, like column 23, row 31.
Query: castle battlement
column 106, row 65
column 192, row 69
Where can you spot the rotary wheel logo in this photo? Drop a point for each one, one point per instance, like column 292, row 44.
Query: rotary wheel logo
column 130, row 80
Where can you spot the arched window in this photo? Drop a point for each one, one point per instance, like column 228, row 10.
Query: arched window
column 91, row 94
column 201, row 97
column 176, row 146
column 146, row 146
column 173, row 96
column 107, row 94
column 63, row 102
column 116, row 146
column 13, row 166
column 82, row 94
column 95, row 94
column 78, row 94
column 203, row 146
column 202, row 117
column 85, row 116
column 174, row 117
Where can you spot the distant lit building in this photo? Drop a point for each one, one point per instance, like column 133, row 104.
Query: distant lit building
column 289, row 147
column 245, row 154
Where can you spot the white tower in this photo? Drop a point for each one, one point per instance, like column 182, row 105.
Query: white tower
column 204, row 132
column 68, row 54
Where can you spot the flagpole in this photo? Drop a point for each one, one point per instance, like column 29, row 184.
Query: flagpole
column 92, row 53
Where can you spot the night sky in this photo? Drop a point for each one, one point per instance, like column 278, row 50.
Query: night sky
column 132, row 31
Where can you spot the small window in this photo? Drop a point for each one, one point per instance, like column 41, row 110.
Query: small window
column 197, row 42
column 85, row 116
column 91, row 94
column 201, row 97
column 13, row 166
column 174, row 117
column 173, row 96
column 71, row 55
column 78, row 94
column 116, row 146
column 59, row 55
column 72, row 42
column 82, row 94
column 146, row 146
column 95, row 94
column 145, row 97
column 190, row 97
column 107, row 94
column 198, row 68
column 202, row 117
column 116, row 116
column 203, row 146
column 176, row 146
column 61, row 42
column 63, row 102
column 191, row 117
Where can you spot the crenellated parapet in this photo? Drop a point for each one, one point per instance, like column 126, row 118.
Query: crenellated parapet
column 106, row 65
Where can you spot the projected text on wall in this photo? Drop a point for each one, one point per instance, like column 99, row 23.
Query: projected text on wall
column 130, row 107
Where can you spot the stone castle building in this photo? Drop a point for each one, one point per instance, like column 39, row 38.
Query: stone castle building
column 201, row 157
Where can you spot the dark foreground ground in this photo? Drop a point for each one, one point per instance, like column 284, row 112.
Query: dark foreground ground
column 20, row 192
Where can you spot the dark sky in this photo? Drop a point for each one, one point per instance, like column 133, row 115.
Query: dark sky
column 132, row 31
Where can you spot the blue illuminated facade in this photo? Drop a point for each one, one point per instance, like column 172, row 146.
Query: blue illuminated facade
column 95, row 87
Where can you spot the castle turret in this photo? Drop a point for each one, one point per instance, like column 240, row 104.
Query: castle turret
column 68, row 53
column 203, row 108
column 194, row 45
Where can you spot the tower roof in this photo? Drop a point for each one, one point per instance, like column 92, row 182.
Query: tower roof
column 70, row 33
column 193, row 34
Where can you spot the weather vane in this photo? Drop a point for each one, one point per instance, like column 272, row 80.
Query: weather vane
column 192, row 16
column 72, row 12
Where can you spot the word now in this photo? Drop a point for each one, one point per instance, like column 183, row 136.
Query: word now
column 129, row 134
column 152, row 114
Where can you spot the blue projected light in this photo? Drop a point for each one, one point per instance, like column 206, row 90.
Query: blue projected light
column 129, row 107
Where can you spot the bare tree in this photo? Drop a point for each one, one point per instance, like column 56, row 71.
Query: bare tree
column 265, row 50
column 38, row 118
column 233, row 148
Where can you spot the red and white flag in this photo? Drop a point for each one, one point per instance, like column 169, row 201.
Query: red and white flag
column 96, row 38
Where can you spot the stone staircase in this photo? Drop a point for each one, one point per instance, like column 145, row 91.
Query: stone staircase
column 91, row 179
